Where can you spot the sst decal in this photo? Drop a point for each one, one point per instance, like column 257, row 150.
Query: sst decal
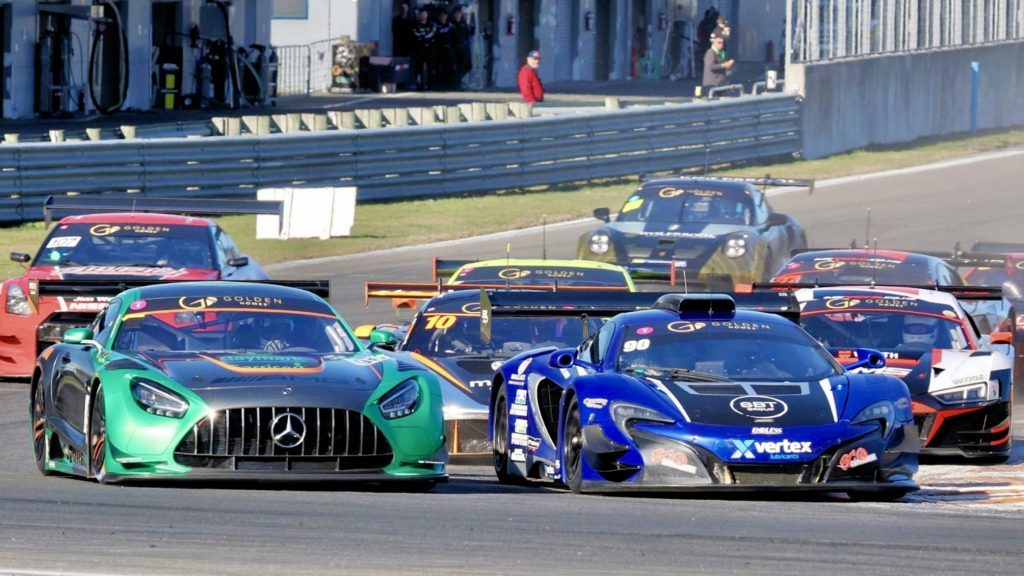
column 857, row 457
column 675, row 459
column 759, row 407
column 683, row 326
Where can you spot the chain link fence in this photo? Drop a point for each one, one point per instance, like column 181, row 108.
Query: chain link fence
column 829, row 29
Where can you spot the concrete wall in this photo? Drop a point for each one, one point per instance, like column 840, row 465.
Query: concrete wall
column 327, row 20
column 861, row 102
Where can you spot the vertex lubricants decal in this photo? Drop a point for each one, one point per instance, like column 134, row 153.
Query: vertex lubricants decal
column 774, row 450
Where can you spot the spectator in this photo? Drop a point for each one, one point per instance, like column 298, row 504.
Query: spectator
column 424, row 35
column 717, row 66
column 463, row 54
column 705, row 29
column 401, row 32
column 444, row 53
column 722, row 28
column 530, row 85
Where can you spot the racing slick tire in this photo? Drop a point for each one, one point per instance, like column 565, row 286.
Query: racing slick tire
column 40, row 446
column 572, row 447
column 98, row 437
column 499, row 433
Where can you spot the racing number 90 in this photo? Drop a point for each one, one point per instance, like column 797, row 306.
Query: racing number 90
column 440, row 322
column 631, row 345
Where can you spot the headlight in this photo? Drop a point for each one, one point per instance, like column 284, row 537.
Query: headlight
column 17, row 303
column 736, row 247
column 883, row 411
column 401, row 401
column 599, row 243
column 624, row 414
column 977, row 392
column 156, row 399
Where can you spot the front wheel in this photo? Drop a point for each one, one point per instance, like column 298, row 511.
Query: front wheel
column 572, row 447
column 499, row 432
column 98, row 438
column 38, row 419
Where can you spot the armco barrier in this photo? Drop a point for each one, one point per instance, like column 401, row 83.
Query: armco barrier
column 408, row 162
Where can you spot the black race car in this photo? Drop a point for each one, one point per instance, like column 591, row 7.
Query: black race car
column 711, row 233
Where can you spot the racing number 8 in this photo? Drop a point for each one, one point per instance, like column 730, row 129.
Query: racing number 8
column 440, row 322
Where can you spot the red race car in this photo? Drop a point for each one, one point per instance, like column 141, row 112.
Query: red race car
column 59, row 290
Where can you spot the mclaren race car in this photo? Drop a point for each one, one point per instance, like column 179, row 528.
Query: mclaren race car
column 695, row 394
column 110, row 246
column 865, row 266
column 961, row 392
column 710, row 233
column 231, row 380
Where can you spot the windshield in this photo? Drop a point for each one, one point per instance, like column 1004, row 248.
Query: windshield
column 540, row 275
column 754, row 351
column 676, row 206
column 446, row 335
column 147, row 245
column 830, row 271
column 231, row 330
column 885, row 330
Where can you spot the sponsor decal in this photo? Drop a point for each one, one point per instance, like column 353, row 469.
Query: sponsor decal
column 521, row 426
column 565, row 372
column 667, row 234
column 479, row 383
column 518, row 410
column 123, row 271
column 196, row 303
column 518, row 439
column 257, row 364
column 976, row 378
column 138, row 305
column 108, row 229
column 840, row 302
column 517, row 455
column 103, row 229
column 675, row 459
column 1019, row 265
column 781, row 450
column 644, row 331
column 520, row 397
column 513, row 273
column 64, row 242
column 251, row 301
column 844, row 302
column 759, row 407
column 828, row 265
column 495, row 365
column 517, row 379
column 532, row 443
column 857, row 457
column 595, row 403
column 472, row 308
column 765, row 430
column 949, row 314
column 684, row 327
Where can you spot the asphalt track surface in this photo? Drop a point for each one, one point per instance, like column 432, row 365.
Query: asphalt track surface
column 966, row 520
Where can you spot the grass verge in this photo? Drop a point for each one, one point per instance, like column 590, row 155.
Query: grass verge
column 421, row 221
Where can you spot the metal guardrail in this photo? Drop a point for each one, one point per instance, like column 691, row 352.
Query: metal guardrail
column 407, row 162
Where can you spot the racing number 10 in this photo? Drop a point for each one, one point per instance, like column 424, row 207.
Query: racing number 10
column 440, row 322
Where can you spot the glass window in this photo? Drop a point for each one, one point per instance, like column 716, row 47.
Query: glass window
column 296, row 9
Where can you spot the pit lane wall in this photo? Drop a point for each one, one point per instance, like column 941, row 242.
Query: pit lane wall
column 889, row 99
column 399, row 162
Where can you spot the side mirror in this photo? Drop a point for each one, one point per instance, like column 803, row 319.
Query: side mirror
column 603, row 214
column 1001, row 338
column 563, row 358
column 238, row 261
column 20, row 257
column 867, row 358
column 78, row 336
column 363, row 331
column 383, row 339
column 776, row 219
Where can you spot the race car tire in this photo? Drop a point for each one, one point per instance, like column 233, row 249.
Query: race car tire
column 98, row 437
column 499, row 432
column 572, row 447
column 38, row 419
column 883, row 495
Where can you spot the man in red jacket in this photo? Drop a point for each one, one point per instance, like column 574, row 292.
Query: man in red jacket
column 529, row 82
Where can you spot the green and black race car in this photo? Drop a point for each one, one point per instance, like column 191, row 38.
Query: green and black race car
column 219, row 379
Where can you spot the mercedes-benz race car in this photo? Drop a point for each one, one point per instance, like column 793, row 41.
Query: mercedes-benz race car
column 961, row 392
column 864, row 266
column 231, row 380
column 112, row 247
column 463, row 336
column 698, row 395
column 710, row 233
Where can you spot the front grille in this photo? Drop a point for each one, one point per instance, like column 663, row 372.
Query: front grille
column 768, row 475
column 243, row 439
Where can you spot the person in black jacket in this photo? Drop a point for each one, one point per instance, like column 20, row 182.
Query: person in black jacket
column 463, row 53
column 401, row 31
column 424, row 35
column 444, row 53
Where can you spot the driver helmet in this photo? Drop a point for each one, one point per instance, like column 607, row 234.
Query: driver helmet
column 920, row 330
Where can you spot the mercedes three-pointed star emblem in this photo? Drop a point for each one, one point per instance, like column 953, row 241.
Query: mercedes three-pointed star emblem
column 288, row 430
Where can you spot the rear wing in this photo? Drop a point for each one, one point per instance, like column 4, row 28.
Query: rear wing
column 403, row 291
column 972, row 293
column 998, row 247
column 60, row 206
column 763, row 181
column 110, row 288
column 672, row 271
column 445, row 267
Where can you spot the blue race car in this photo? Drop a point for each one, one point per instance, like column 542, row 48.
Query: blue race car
column 696, row 394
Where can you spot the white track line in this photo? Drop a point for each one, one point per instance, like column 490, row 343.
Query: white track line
column 283, row 266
